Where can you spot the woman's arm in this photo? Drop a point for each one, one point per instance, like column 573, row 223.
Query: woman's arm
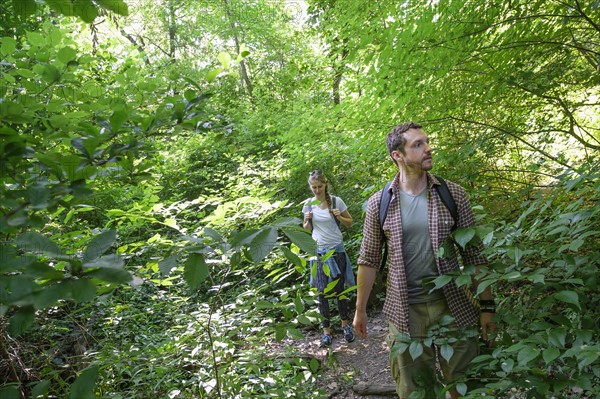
column 344, row 217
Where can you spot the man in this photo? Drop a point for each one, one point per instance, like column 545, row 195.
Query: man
column 417, row 225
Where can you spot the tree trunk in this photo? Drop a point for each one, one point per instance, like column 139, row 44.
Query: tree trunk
column 172, row 30
column 339, row 73
column 245, row 80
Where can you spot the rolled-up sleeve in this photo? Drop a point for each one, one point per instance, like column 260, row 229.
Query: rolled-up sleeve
column 370, row 249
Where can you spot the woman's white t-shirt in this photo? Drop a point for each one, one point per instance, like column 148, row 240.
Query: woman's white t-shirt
column 325, row 229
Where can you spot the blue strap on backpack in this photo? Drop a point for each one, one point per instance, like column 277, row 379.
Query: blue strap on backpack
column 384, row 204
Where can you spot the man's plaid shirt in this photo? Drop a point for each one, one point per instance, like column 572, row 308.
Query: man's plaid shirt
column 440, row 224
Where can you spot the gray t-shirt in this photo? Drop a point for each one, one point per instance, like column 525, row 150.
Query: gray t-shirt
column 417, row 250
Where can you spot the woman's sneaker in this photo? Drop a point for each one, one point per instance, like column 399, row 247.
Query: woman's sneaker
column 325, row 341
column 349, row 333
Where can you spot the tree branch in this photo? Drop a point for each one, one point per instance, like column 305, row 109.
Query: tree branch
column 517, row 137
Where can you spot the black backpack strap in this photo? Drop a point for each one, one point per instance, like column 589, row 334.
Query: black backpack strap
column 333, row 206
column 447, row 199
column 384, row 205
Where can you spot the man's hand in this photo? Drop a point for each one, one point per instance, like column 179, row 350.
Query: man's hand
column 488, row 328
column 360, row 323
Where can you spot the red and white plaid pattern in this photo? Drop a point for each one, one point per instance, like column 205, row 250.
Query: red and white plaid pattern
column 440, row 224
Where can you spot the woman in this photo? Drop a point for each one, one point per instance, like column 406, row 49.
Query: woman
column 323, row 215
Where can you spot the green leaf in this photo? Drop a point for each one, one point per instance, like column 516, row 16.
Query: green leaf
column 38, row 244
column 262, row 304
column 212, row 233
column 243, row 237
column 84, row 386
column 299, row 305
column 415, row 349
column 464, row 235
column 8, row 78
column 24, row 8
column 570, row 297
column 446, row 351
column 66, row 54
column 515, row 254
column 292, row 257
column 280, row 333
column 314, row 365
column 483, row 285
column 50, row 74
column 461, row 388
column 64, row 7
column 329, row 288
column 244, row 52
column 507, row 365
column 446, row 320
column 302, row 239
column 117, row 6
column 442, row 280
column 212, row 75
column 9, row 260
column 85, row 10
column 557, row 337
column 195, row 270
column 118, row 118
column 15, row 287
column 111, row 261
column 10, row 391
column 287, row 222
column 26, row 73
column 399, row 348
column 36, row 37
column 40, row 389
column 189, row 94
column 111, row 275
column 99, row 245
column 464, row 279
column 262, row 244
column 49, row 295
column 550, row 354
column 21, row 321
column 527, row 354
column 77, row 143
column 225, row 59
column 9, row 44
column 166, row 265
column 82, row 290
column 587, row 357
column 294, row 333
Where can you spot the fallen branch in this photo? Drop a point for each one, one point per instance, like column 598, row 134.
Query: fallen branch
column 364, row 388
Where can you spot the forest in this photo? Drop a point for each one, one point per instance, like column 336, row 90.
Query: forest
column 155, row 156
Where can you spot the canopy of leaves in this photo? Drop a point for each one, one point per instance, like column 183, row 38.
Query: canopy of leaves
column 154, row 158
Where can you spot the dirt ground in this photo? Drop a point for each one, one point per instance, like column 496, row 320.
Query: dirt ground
column 348, row 366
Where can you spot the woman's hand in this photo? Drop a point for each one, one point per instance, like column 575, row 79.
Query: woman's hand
column 308, row 216
column 343, row 217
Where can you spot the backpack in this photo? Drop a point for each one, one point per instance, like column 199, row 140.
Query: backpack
column 384, row 204
column 333, row 206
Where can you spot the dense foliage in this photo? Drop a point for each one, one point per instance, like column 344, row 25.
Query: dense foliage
column 154, row 155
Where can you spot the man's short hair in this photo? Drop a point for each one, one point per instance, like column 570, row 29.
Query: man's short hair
column 395, row 140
